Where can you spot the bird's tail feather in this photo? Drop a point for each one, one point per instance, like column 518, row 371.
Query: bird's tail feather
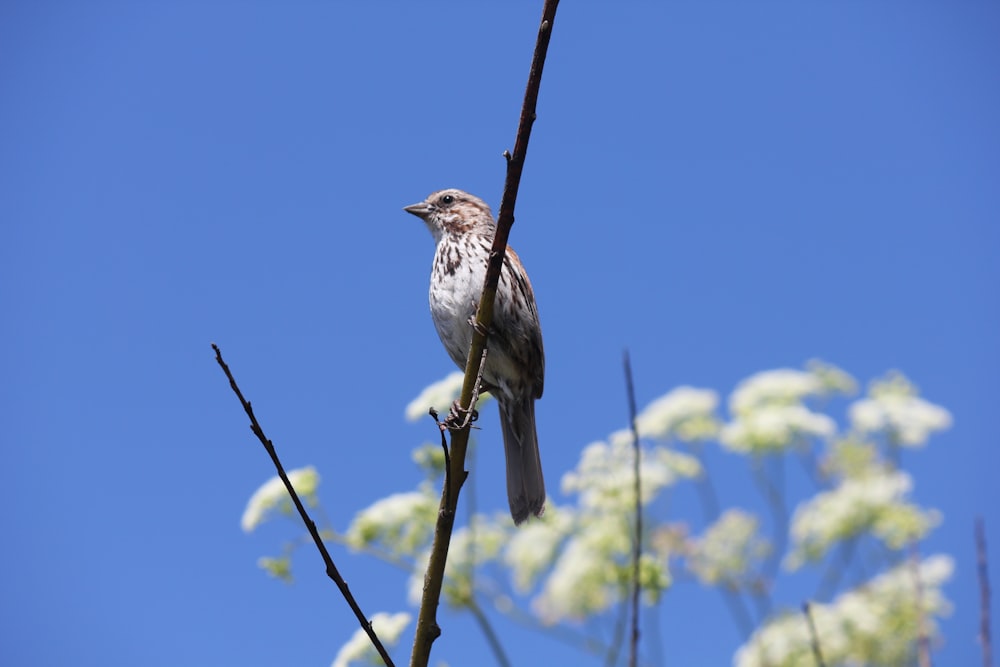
column 525, row 484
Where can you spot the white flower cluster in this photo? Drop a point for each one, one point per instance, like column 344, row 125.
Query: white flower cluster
column 604, row 477
column 272, row 495
column 781, row 386
column 533, row 547
column 832, row 379
column 592, row 569
column 728, row 550
column 471, row 546
column 877, row 624
column 359, row 650
column 874, row 503
column 684, row 413
column 587, row 577
column 894, row 409
column 774, row 428
column 401, row 523
column 438, row 395
column 768, row 409
column 579, row 557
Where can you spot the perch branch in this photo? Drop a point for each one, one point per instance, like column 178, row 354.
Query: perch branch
column 427, row 627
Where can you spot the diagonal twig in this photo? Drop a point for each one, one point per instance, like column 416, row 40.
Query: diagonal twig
column 427, row 627
column 331, row 568
column 487, row 629
column 633, row 656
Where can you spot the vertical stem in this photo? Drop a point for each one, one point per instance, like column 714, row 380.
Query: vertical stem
column 813, row 636
column 923, row 638
column 637, row 546
column 984, row 594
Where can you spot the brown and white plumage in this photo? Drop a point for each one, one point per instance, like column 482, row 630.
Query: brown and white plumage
column 463, row 227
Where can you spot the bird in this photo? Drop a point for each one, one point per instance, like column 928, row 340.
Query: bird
column 514, row 371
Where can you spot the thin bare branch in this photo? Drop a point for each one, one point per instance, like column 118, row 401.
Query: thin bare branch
column 982, row 570
column 574, row 638
column 633, row 656
column 774, row 493
column 427, row 627
column 813, row 636
column 487, row 629
column 836, row 568
column 738, row 610
column 923, row 637
column 617, row 634
column 447, row 457
column 331, row 568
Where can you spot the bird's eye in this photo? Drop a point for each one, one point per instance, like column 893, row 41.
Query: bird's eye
column 447, row 199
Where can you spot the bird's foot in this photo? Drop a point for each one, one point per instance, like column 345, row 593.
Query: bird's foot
column 459, row 417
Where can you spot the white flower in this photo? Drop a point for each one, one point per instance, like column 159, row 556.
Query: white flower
column 784, row 641
column 875, row 502
column 430, row 457
column 728, row 549
column 833, row 379
column 772, row 428
column 440, row 395
column 851, row 457
column 894, row 408
column 402, row 522
column 475, row 544
column 272, row 494
column 686, row 413
column 533, row 547
column 782, row 386
column 605, row 478
column 583, row 580
column 359, row 649
column 875, row 624
column 472, row 546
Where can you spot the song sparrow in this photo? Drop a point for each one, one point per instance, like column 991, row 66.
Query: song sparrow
column 514, row 372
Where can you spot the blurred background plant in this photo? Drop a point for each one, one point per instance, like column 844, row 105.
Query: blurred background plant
column 835, row 508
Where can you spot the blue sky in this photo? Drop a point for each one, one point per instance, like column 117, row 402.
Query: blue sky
column 723, row 187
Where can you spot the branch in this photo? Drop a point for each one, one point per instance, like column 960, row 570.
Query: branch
column 637, row 546
column 814, row 638
column 774, row 495
column 618, row 634
column 984, row 594
column 487, row 628
column 923, row 638
column 836, row 567
column 738, row 610
column 331, row 569
column 427, row 627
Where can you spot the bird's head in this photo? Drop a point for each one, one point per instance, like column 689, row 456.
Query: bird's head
column 453, row 212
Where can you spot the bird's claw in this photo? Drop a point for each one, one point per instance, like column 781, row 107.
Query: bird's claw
column 459, row 417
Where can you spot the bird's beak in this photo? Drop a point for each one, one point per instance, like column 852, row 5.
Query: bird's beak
column 421, row 210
